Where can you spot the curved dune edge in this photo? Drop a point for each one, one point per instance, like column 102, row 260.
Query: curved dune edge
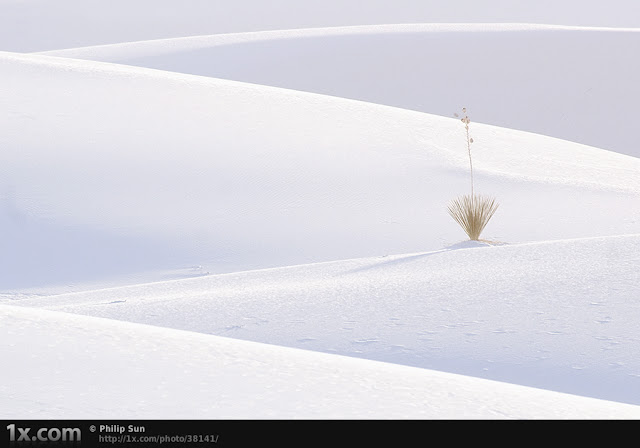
column 174, row 374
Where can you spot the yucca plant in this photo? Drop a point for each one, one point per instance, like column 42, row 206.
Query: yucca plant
column 472, row 212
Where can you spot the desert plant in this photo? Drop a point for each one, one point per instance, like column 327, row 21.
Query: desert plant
column 472, row 212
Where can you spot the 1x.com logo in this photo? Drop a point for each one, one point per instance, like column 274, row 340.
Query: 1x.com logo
column 43, row 434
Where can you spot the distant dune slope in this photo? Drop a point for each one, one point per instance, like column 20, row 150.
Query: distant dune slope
column 578, row 84
column 37, row 25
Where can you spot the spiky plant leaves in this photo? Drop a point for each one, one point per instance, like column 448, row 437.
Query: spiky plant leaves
column 473, row 213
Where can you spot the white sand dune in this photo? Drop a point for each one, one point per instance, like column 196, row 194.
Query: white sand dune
column 307, row 195
column 546, row 79
column 554, row 315
column 38, row 25
column 136, row 371
column 155, row 170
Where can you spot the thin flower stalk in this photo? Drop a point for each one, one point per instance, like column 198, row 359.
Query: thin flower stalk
column 472, row 212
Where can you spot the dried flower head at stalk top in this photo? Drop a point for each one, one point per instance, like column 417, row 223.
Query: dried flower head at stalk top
column 465, row 119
